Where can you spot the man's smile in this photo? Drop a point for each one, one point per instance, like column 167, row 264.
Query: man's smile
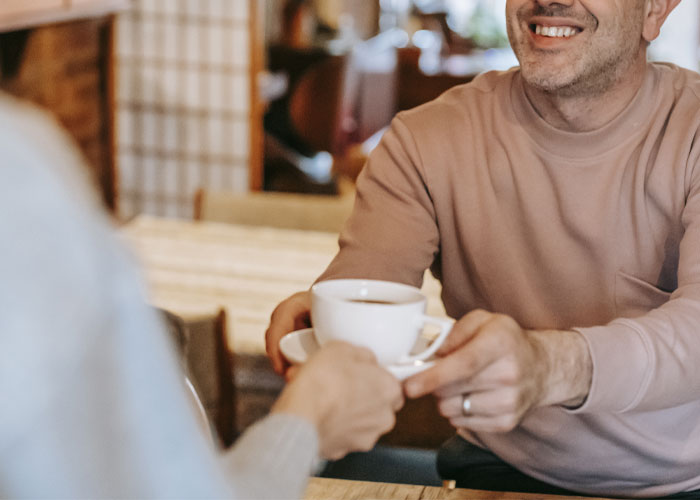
column 554, row 31
column 543, row 27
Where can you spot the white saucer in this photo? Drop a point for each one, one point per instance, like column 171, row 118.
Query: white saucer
column 299, row 345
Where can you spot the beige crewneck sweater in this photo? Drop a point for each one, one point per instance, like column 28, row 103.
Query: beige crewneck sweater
column 598, row 231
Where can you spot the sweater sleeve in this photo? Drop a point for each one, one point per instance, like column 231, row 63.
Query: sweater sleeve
column 660, row 368
column 274, row 458
column 392, row 233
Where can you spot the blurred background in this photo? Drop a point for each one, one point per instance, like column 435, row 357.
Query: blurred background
column 168, row 97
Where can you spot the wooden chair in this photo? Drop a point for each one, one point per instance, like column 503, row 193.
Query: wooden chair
column 281, row 210
column 333, row 103
column 208, row 366
column 308, row 118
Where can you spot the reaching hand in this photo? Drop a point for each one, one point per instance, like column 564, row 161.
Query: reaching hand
column 348, row 397
column 504, row 371
column 291, row 314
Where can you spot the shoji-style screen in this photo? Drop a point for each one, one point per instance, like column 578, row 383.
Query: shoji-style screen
column 183, row 102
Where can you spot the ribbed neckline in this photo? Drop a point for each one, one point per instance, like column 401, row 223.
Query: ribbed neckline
column 585, row 145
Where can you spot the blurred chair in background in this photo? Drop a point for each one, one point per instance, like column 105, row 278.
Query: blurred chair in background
column 301, row 125
column 208, row 366
column 334, row 100
column 281, row 210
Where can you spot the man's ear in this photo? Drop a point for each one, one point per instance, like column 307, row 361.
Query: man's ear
column 655, row 13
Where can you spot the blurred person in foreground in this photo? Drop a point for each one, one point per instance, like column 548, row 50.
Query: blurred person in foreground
column 559, row 205
column 93, row 397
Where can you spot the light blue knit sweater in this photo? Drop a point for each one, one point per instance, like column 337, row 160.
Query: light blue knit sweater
column 92, row 399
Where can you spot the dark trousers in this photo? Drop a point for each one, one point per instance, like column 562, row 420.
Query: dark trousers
column 475, row 468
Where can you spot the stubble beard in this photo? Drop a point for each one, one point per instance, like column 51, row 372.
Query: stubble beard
column 589, row 77
column 593, row 70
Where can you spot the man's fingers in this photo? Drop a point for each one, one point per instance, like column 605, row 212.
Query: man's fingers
column 456, row 389
column 302, row 320
column 481, row 415
column 478, row 423
column 459, row 363
column 450, row 407
column 457, row 368
column 279, row 363
column 290, row 315
column 481, row 404
column 463, row 330
column 291, row 373
column 447, row 371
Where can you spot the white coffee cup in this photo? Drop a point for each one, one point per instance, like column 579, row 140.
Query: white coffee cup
column 383, row 316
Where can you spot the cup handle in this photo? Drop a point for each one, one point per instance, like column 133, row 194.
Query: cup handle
column 445, row 328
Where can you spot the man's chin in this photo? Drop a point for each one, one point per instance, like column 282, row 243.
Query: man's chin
column 547, row 83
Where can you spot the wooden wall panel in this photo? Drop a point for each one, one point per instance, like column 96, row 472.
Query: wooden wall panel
column 65, row 69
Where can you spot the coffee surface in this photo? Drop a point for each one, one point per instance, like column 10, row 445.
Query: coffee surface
column 371, row 301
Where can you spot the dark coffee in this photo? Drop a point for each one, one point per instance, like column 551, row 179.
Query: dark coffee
column 370, row 301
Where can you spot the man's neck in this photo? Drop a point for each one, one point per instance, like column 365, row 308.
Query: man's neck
column 582, row 113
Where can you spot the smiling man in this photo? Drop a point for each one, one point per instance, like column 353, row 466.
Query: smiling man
column 559, row 205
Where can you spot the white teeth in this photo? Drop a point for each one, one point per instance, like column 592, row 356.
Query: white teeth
column 553, row 31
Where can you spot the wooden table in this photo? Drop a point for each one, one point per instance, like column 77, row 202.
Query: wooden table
column 327, row 489
column 195, row 267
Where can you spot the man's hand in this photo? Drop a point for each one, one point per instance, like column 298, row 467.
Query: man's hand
column 348, row 397
column 505, row 372
column 290, row 315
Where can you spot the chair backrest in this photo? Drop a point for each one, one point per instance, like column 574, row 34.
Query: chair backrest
column 282, row 210
column 337, row 99
column 308, row 117
column 200, row 412
column 208, row 368
column 319, row 103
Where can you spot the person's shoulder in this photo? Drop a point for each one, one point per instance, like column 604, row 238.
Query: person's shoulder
column 682, row 81
column 21, row 120
column 490, row 81
column 460, row 99
column 12, row 107
column 38, row 151
column 45, row 184
column 483, row 84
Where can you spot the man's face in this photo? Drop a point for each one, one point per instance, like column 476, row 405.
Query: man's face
column 575, row 47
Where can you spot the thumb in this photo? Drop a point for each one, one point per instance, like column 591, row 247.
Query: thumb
column 463, row 330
